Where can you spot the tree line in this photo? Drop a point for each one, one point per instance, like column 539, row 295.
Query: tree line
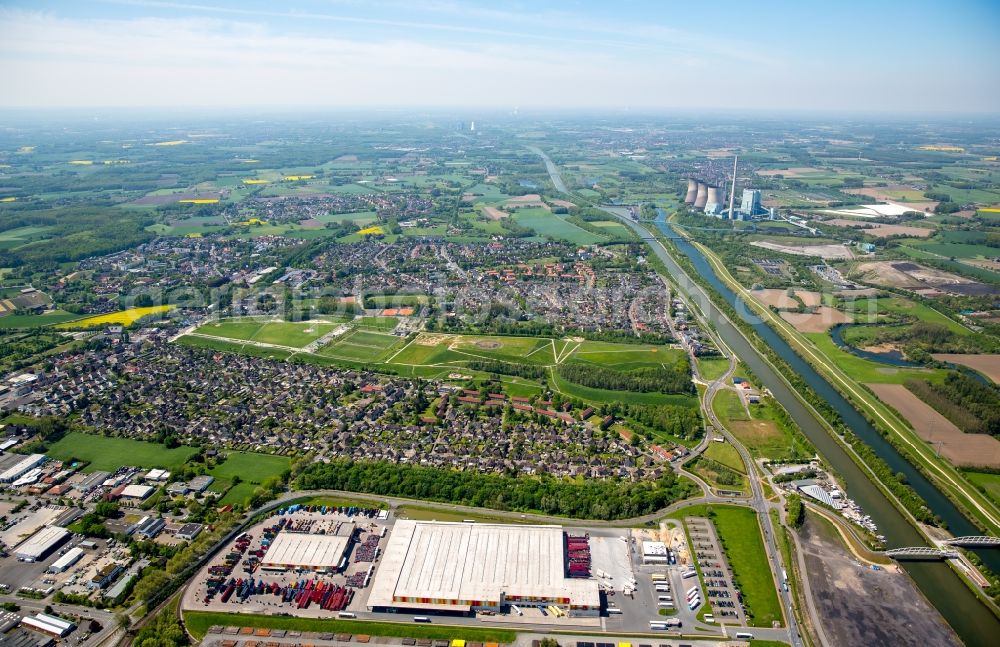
column 648, row 379
column 581, row 499
column 974, row 407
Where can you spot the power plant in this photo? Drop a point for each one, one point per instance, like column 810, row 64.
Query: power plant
column 692, row 192
column 711, row 199
column 702, row 197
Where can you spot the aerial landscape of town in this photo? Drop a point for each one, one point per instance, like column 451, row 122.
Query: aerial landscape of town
column 467, row 376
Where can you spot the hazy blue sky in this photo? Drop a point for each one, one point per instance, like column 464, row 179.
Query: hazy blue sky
column 846, row 55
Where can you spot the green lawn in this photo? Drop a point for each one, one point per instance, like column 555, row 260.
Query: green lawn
column 232, row 329
column 712, row 368
column 377, row 323
column 198, row 623
column 251, row 467
column 728, row 406
column 108, row 454
column 295, row 334
column 590, row 394
column 727, row 455
column 234, row 347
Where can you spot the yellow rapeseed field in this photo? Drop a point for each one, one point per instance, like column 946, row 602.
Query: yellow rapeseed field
column 296, row 178
column 943, row 149
column 121, row 318
column 990, row 209
column 8, row 199
column 369, row 231
column 254, row 181
column 200, row 201
column 82, row 162
column 172, row 142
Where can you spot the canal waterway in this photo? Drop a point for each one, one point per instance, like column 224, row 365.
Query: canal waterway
column 972, row 620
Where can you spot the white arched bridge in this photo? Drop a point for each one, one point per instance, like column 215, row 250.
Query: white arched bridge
column 921, row 552
column 974, row 542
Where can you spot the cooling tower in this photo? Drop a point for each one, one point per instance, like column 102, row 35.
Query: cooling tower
column 702, row 198
column 713, row 195
column 692, row 191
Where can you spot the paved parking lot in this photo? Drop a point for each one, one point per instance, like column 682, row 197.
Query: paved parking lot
column 719, row 589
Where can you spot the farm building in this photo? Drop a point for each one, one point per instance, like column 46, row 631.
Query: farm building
column 314, row 552
column 442, row 567
column 41, row 543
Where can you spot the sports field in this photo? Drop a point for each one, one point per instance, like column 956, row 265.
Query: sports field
column 108, row 454
column 294, row 334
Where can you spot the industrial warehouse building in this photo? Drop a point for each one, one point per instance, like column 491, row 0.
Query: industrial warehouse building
column 291, row 550
column 441, row 567
column 71, row 557
column 654, row 552
column 41, row 543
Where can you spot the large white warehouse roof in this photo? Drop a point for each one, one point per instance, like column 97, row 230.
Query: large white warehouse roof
column 461, row 565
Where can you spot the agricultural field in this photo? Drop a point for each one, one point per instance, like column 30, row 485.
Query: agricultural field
column 120, row 318
column 108, row 454
column 547, row 224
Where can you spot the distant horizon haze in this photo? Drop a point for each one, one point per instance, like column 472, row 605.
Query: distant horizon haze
column 852, row 57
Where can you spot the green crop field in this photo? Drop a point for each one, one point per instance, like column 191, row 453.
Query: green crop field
column 108, row 454
column 37, row 321
column 199, row 622
column 547, row 224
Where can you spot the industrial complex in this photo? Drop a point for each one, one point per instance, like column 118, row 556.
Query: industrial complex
column 462, row 567
column 306, row 551
column 710, row 199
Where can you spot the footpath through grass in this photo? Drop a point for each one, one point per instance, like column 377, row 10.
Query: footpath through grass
column 199, row 622
column 108, row 454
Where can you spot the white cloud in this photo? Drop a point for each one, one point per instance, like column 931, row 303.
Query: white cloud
column 213, row 60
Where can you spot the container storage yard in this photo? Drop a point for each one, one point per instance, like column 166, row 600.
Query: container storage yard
column 311, row 559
